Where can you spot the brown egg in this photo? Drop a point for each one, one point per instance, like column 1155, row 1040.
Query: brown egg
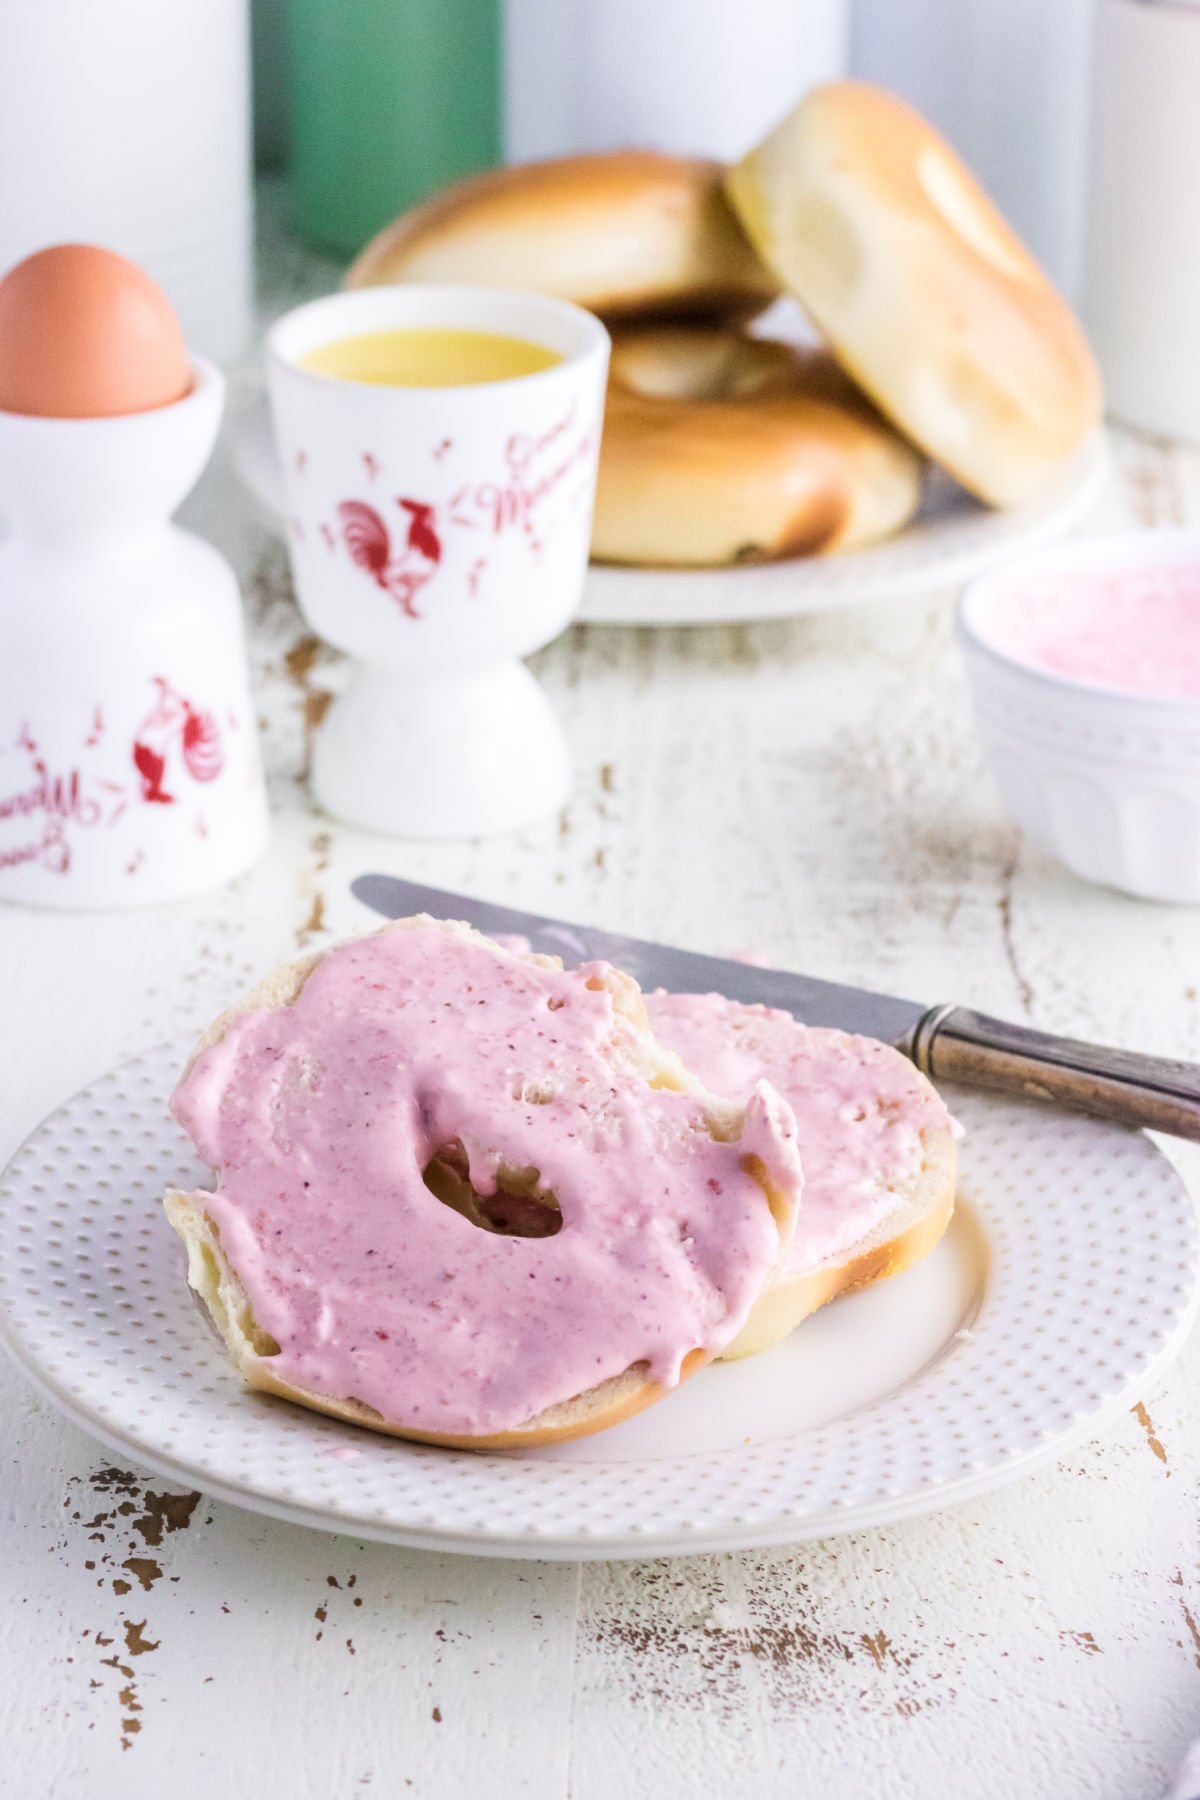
column 86, row 335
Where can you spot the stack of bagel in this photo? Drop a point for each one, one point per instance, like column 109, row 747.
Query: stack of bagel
column 942, row 338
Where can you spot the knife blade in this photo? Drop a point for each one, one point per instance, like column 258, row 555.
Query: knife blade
column 656, row 965
column 947, row 1042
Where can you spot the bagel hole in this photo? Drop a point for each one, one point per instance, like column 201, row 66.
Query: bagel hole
column 518, row 1208
column 968, row 213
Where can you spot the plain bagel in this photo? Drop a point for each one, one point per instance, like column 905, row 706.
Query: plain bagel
column 463, row 1196
column 629, row 232
column 720, row 448
column 928, row 297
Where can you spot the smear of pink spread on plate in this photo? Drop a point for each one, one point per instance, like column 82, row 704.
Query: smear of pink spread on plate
column 1134, row 629
column 860, row 1107
column 321, row 1116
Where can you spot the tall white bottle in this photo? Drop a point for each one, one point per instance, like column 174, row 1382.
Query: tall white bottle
column 1141, row 300
column 697, row 77
column 126, row 123
column 1007, row 82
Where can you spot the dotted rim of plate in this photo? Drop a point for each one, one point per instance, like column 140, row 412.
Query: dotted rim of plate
column 1094, row 1263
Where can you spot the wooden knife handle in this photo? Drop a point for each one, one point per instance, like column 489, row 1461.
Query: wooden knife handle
column 951, row 1043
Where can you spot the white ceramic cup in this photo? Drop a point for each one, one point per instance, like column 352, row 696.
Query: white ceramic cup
column 1141, row 295
column 129, row 759
column 1107, row 781
column 438, row 535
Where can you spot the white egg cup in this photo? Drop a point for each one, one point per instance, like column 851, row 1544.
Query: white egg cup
column 437, row 536
column 129, row 760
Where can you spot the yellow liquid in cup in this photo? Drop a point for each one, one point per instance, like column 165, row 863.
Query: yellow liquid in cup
column 428, row 358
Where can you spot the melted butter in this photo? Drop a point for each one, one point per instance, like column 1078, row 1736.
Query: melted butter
column 434, row 358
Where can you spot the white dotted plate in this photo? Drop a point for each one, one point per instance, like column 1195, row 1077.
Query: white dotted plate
column 1066, row 1283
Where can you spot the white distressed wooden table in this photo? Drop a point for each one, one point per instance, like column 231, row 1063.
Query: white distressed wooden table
column 809, row 790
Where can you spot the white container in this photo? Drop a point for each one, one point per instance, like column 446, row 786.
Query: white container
column 1007, row 82
column 697, row 77
column 438, row 535
column 1141, row 300
column 1107, row 782
column 125, row 123
column 129, row 763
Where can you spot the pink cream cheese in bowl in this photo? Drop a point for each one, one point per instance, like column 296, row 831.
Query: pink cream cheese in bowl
column 1084, row 668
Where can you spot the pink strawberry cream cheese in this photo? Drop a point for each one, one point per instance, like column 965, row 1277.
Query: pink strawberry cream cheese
column 860, row 1107
column 1135, row 629
column 321, row 1116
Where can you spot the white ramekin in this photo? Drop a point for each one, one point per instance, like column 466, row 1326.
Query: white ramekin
column 1106, row 781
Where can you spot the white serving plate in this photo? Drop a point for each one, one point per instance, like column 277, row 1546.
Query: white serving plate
column 953, row 539
column 1065, row 1285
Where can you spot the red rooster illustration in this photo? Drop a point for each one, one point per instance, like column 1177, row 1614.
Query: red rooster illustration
column 404, row 574
column 174, row 723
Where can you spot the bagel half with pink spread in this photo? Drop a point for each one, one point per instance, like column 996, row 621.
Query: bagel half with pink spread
column 877, row 1146
column 463, row 1195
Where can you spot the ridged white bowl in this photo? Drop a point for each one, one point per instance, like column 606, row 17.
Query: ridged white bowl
column 1108, row 782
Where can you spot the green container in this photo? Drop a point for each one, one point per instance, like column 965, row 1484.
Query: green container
column 391, row 99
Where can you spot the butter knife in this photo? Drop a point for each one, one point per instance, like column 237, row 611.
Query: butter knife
column 947, row 1042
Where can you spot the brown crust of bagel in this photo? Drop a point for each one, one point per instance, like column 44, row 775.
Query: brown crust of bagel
column 927, row 295
column 213, row 1278
column 772, row 454
column 624, row 233
column 608, row 1403
column 793, row 1298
